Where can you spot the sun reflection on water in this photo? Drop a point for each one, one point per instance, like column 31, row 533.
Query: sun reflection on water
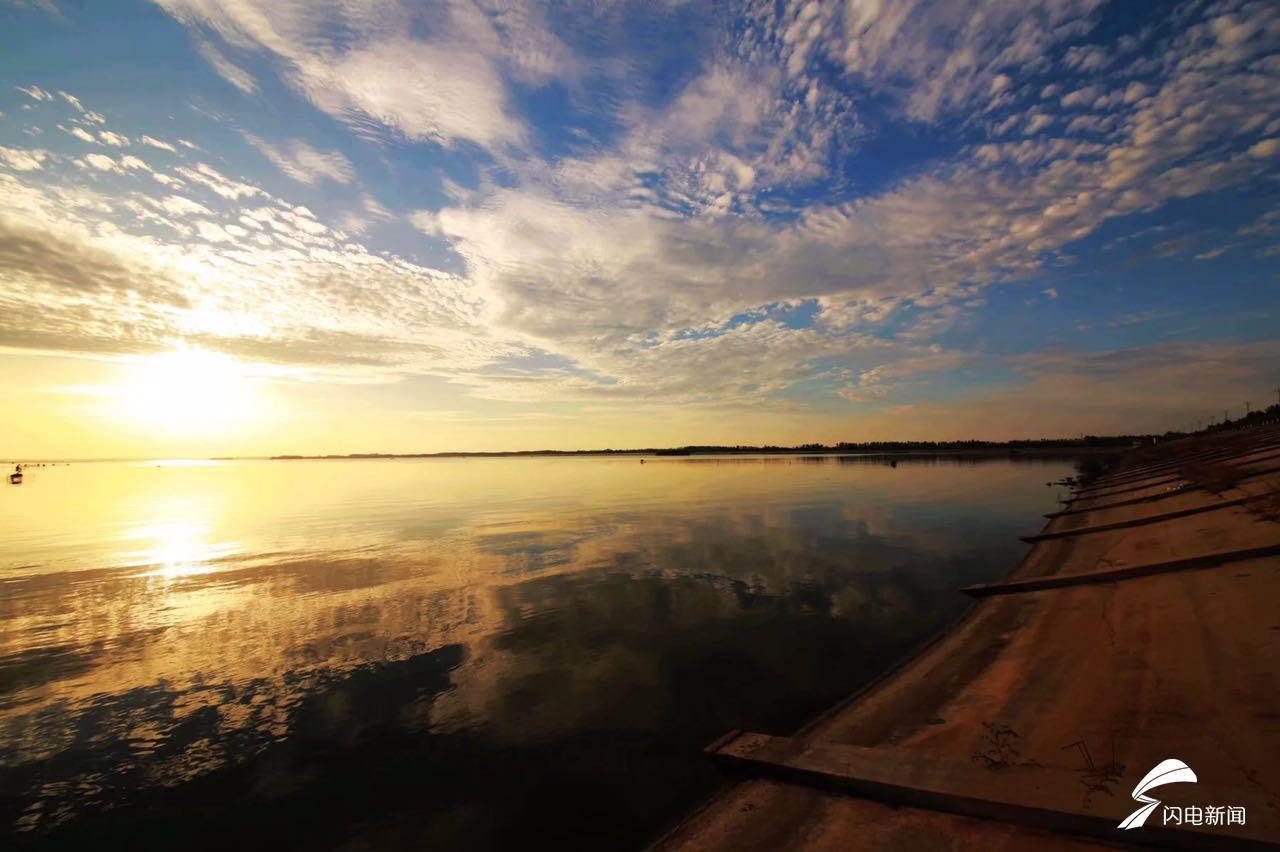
column 179, row 548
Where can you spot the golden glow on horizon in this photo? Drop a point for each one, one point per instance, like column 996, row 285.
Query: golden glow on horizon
column 188, row 391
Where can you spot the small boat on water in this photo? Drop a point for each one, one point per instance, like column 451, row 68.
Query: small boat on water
column 15, row 478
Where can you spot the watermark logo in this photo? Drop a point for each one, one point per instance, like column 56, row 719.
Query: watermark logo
column 1173, row 771
column 1166, row 772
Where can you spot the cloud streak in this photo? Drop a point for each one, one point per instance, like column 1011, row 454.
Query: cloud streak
column 303, row 163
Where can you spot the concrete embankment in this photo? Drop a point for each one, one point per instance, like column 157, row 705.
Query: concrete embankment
column 1143, row 625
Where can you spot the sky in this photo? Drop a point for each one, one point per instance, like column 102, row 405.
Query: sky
column 247, row 228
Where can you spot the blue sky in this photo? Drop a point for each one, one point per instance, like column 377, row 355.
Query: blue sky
column 504, row 225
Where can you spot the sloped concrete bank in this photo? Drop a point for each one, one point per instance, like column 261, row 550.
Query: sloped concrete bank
column 1143, row 625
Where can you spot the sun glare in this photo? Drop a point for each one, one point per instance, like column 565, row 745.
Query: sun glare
column 189, row 390
column 178, row 549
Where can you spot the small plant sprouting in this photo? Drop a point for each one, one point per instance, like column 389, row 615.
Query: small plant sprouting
column 1095, row 778
column 1000, row 748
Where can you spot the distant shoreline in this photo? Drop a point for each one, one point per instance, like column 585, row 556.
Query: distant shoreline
column 884, row 449
column 871, row 449
column 973, row 452
column 1085, row 444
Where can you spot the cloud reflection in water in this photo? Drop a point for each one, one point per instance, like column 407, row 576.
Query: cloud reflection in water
column 447, row 653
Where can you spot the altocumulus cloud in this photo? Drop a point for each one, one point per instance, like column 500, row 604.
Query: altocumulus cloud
column 710, row 233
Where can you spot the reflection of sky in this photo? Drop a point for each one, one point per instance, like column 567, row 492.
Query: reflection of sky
column 218, row 603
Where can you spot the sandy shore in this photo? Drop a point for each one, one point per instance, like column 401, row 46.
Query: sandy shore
column 1144, row 624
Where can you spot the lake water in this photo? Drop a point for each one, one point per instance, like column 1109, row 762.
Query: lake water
column 460, row 653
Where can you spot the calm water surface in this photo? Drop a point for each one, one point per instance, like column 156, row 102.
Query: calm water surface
column 437, row 654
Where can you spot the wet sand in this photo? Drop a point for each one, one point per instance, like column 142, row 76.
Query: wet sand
column 1030, row 721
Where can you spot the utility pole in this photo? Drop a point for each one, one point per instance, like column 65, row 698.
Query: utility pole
column 1246, row 408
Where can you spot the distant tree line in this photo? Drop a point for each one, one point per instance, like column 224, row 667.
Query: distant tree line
column 1090, row 442
column 1270, row 414
column 912, row 446
column 843, row 447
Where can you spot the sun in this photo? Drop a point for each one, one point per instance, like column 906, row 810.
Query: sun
column 188, row 390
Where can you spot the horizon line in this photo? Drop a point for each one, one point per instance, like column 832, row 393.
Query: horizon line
column 872, row 447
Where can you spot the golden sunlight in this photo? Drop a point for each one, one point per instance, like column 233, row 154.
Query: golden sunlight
column 178, row 549
column 188, row 390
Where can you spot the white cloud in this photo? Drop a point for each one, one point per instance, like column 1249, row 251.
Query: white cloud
column 1265, row 148
column 157, row 143
column 82, row 278
column 46, row 6
column 73, row 100
column 885, row 379
column 426, row 221
column 1086, row 58
column 1214, row 252
column 370, row 209
column 1037, row 122
column 947, row 57
column 435, row 71
column 303, row 163
column 437, row 92
column 209, row 177
column 595, row 260
column 212, row 231
column 180, row 206
column 167, row 180
column 35, row 93
column 113, row 139
column 23, row 160
column 375, row 209
column 105, row 163
column 226, row 69
column 80, row 133
column 102, row 163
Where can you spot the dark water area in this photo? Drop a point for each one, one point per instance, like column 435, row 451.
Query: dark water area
column 453, row 654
